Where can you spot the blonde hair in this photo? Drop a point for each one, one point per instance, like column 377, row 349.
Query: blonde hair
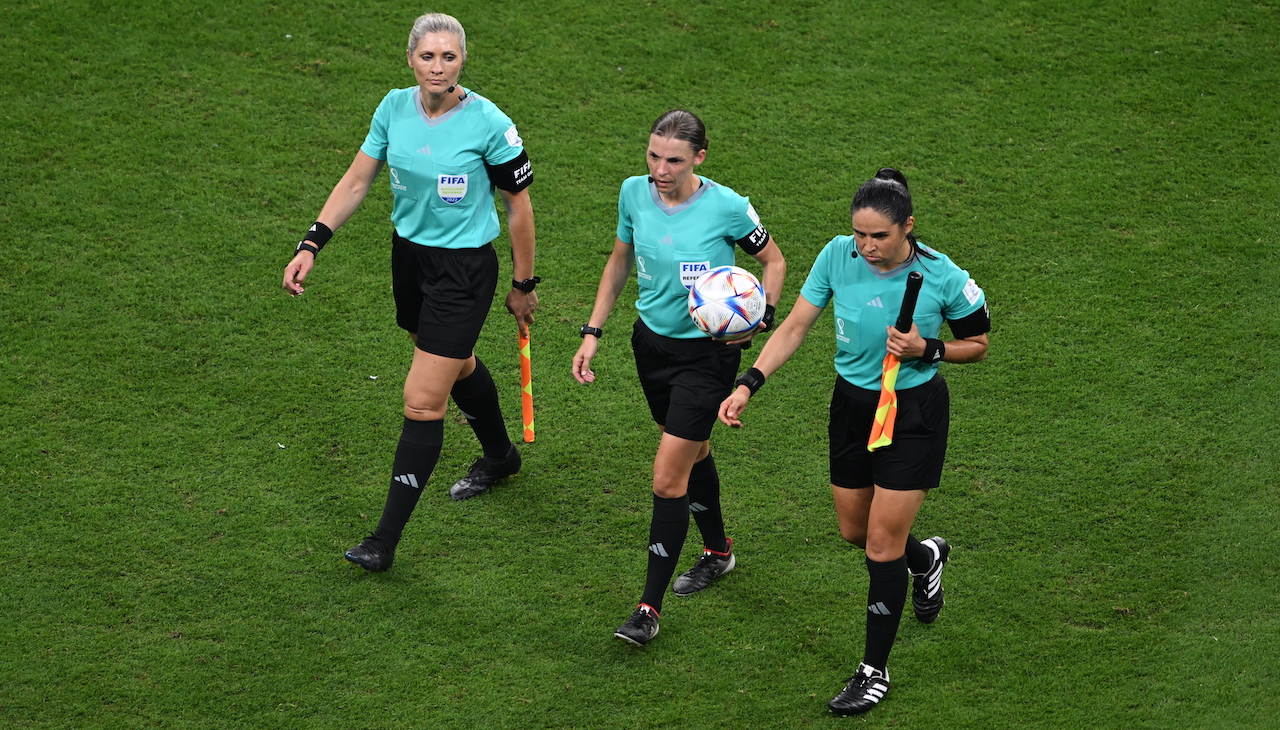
column 436, row 23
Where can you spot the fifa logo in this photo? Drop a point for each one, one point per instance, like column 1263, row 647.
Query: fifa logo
column 840, row 335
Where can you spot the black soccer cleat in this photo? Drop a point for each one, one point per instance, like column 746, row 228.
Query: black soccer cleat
column 640, row 628
column 484, row 473
column 372, row 554
column 710, row 566
column 865, row 690
column 926, row 588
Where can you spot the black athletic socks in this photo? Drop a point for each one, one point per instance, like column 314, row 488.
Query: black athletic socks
column 886, row 595
column 704, row 503
column 416, row 457
column 667, row 531
column 477, row 398
column 919, row 557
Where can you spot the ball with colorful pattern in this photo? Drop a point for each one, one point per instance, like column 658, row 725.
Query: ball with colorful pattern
column 727, row 302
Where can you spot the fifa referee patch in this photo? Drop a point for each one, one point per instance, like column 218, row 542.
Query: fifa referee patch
column 451, row 188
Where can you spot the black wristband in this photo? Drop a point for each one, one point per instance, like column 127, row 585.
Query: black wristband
column 753, row 379
column 319, row 234
column 527, row 285
column 767, row 320
column 304, row 246
column 595, row 332
column 933, row 350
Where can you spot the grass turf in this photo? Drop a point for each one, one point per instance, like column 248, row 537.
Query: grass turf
column 187, row 450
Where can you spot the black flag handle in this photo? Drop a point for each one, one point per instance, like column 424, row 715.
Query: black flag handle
column 914, row 280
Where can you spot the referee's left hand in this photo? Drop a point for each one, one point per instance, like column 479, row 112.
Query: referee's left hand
column 521, row 305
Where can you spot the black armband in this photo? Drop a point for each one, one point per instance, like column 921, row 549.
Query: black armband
column 770, row 312
column 978, row 323
column 319, row 234
column 934, row 350
column 755, row 241
column 753, row 379
column 512, row 176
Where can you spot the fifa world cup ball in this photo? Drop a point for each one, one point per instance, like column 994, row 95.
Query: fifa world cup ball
column 726, row 302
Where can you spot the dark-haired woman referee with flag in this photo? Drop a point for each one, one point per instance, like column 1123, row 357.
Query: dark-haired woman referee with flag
column 878, row 493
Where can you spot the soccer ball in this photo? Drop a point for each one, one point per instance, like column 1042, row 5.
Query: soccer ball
column 726, row 302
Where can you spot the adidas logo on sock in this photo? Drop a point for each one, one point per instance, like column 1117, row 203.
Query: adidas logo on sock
column 407, row 479
column 658, row 550
column 696, row 507
column 879, row 609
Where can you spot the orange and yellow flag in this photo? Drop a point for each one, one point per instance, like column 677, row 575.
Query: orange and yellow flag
column 526, row 386
column 887, row 408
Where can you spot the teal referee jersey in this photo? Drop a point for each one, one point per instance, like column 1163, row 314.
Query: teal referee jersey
column 675, row 245
column 867, row 300
column 443, row 194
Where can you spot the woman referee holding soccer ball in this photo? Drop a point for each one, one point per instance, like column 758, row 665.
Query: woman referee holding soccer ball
column 447, row 149
column 675, row 225
column 878, row 493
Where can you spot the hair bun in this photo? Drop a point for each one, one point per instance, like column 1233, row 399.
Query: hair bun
column 889, row 173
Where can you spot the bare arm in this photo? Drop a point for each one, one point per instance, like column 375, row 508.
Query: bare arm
column 780, row 347
column 612, row 282
column 343, row 201
column 520, row 227
column 775, row 271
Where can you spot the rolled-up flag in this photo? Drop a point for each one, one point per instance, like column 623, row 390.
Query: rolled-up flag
column 887, row 408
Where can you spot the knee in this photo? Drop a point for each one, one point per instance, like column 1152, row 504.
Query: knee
column 419, row 407
column 854, row 534
column 670, row 488
column 884, row 548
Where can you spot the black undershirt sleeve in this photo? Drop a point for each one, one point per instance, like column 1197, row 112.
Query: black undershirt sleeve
column 755, row 241
column 512, row 176
column 978, row 323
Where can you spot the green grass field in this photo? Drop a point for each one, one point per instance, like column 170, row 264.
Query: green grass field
column 185, row 451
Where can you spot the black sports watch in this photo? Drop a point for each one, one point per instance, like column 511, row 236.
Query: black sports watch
column 527, row 285
column 589, row 330
column 304, row 246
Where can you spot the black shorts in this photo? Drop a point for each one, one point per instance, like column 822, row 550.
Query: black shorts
column 913, row 460
column 443, row 294
column 684, row 380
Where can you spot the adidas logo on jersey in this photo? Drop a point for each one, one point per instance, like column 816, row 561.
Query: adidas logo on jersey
column 407, row 479
column 876, row 303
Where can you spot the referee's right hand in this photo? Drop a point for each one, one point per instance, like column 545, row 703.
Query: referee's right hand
column 732, row 407
column 296, row 271
column 582, row 371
